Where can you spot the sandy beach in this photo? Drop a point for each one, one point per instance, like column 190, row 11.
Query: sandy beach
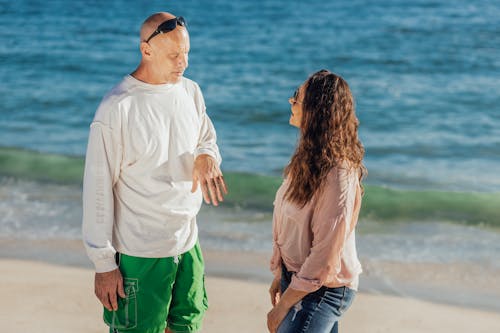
column 52, row 298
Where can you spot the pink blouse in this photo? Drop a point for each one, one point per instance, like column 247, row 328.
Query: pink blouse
column 317, row 242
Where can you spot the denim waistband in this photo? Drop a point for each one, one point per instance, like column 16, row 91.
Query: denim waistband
column 285, row 273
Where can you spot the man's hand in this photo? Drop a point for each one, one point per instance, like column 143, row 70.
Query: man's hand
column 207, row 173
column 107, row 285
column 275, row 291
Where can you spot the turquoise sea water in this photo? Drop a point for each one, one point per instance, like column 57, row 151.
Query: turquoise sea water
column 425, row 75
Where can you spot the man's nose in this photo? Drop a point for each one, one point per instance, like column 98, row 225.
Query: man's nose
column 183, row 60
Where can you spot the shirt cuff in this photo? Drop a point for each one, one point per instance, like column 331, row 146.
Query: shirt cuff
column 105, row 265
column 306, row 285
column 209, row 152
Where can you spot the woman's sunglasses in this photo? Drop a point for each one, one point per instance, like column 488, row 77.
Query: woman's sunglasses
column 294, row 97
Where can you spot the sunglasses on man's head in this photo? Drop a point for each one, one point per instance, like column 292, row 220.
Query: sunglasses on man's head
column 167, row 26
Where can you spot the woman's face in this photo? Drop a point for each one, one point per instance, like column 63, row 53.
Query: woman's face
column 296, row 102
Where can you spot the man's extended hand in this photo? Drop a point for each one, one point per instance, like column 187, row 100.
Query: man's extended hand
column 207, row 173
column 107, row 285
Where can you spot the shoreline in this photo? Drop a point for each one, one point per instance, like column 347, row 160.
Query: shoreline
column 443, row 284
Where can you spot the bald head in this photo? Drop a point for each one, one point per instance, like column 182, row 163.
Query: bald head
column 152, row 22
column 165, row 55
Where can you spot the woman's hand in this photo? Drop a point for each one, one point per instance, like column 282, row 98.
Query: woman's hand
column 278, row 313
column 276, row 316
column 275, row 291
column 284, row 303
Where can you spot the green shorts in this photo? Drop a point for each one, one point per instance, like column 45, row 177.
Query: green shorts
column 160, row 292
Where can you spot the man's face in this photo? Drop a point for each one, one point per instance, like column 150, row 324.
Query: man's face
column 169, row 57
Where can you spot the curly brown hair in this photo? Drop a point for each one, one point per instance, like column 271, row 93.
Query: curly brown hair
column 329, row 136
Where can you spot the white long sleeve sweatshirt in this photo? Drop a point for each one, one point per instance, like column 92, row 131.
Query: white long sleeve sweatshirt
column 137, row 196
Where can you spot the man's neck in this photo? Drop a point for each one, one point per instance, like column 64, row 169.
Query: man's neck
column 146, row 74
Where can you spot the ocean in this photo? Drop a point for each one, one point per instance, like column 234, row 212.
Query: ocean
column 424, row 74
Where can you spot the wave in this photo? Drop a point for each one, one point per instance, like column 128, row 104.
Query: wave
column 256, row 192
column 27, row 164
column 381, row 203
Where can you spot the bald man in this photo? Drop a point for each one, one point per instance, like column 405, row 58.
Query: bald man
column 151, row 158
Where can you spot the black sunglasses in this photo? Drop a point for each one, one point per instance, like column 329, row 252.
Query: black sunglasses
column 294, row 97
column 167, row 26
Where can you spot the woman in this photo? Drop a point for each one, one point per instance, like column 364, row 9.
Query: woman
column 316, row 209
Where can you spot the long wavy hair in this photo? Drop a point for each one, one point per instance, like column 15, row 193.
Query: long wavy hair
column 329, row 137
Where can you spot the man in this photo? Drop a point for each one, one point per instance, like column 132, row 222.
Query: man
column 150, row 145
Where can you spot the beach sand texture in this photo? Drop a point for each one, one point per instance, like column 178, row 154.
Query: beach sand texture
column 40, row 297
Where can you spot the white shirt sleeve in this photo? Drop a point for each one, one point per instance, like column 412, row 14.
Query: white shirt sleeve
column 102, row 168
column 207, row 142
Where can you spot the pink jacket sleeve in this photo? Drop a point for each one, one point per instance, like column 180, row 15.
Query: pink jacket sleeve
column 331, row 226
column 275, row 265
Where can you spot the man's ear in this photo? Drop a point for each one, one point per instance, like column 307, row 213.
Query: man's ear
column 146, row 50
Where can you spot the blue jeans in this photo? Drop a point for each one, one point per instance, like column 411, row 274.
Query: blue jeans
column 317, row 312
